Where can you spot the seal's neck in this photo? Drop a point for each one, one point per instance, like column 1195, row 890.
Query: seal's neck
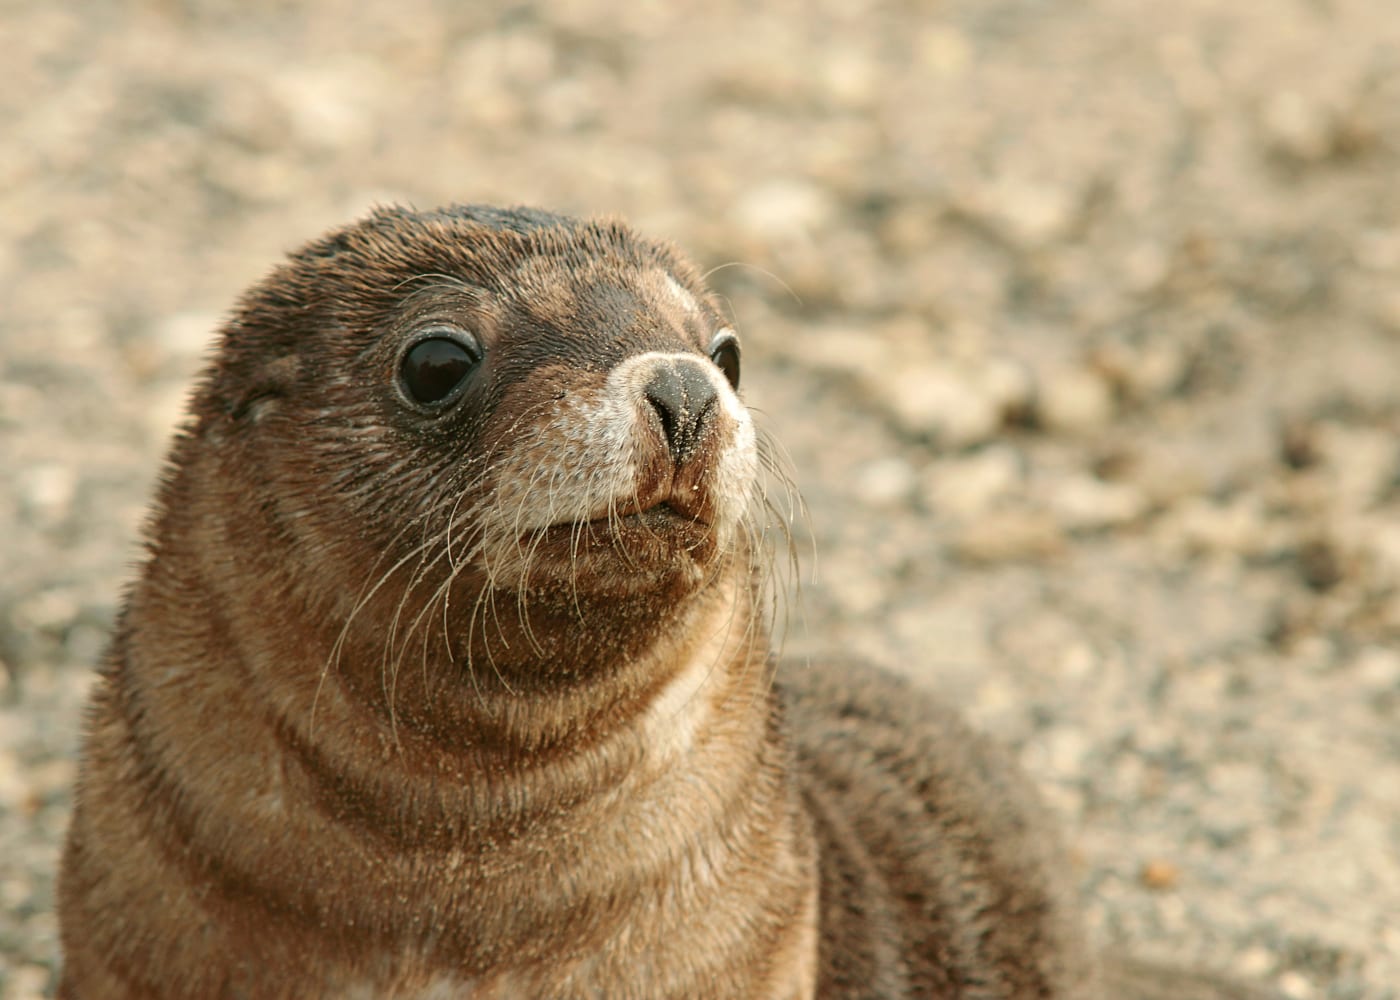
column 438, row 835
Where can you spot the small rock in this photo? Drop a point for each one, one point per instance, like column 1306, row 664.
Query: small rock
column 1254, row 963
column 1159, row 875
column 1321, row 565
column 1009, row 536
column 1007, row 383
column 945, row 50
column 855, row 593
column 885, row 483
column 1086, row 503
column 840, row 351
column 849, row 79
column 1077, row 661
column 1073, row 401
column 1296, row 986
column 1378, row 250
column 27, row 982
column 1028, row 213
column 51, row 611
column 781, row 210
column 1298, row 127
column 1362, row 461
column 1374, row 543
column 1378, row 668
column 1062, row 752
column 329, row 107
column 1298, row 445
column 1146, row 267
column 1145, row 373
column 939, row 402
column 967, row 486
column 48, row 491
column 1208, row 526
column 188, row 335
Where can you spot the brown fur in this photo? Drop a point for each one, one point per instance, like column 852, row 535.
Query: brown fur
column 414, row 705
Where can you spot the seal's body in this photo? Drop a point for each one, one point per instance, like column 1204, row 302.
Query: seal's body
column 447, row 675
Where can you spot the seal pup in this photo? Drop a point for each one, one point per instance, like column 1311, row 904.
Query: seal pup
column 447, row 673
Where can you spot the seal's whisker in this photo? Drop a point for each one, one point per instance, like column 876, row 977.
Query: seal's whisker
column 456, row 566
column 440, row 595
column 486, row 603
column 389, row 672
column 367, row 594
column 552, row 516
column 756, row 269
column 576, row 531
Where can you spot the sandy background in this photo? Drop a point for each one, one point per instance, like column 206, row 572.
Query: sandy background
column 1081, row 321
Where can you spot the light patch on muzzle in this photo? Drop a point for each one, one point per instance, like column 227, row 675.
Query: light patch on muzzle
column 594, row 455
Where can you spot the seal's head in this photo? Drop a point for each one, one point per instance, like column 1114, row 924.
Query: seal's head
column 507, row 443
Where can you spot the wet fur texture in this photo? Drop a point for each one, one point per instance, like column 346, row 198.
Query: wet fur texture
column 476, row 700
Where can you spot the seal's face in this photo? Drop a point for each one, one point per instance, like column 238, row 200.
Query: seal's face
column 639, row 473
column 609, row 448
column 470, row 406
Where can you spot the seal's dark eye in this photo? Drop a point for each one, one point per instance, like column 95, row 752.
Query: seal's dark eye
column 724, row 351
column 433, row 368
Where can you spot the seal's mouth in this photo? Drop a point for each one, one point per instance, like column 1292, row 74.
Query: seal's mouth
column 658, row 521
column 654, row 532
column 656, row 515
column 668, row 505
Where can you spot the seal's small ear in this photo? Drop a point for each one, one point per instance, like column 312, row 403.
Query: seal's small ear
column 262, row 389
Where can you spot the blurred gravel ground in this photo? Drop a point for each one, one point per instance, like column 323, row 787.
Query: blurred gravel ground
column 1081, row 321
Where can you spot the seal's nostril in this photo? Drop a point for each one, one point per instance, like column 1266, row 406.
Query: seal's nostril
column 681, row 394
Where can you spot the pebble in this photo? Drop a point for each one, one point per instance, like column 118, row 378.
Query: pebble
column 966, row 486
column 1059, row 753
column 27, row 982
column 1296, row 986
column 783, row 210
column 1254, row 963
column 945, row 50
column 886, row 482
column 1073, row 401
column 1298, row 126
column 1145, row 372
column 1009, row 536
column 1377, row 668
column 329, row 106
column 1029, row 213
column 1006, row 382
column 1236, row 527
column 48, row 491
column 1368, row 544
column 1379, row 250
column 1159, row 874
column 49, row 611
column 941, row 403
column 841, row 351
column 1083, row 502
column 1361, row 462
column 187, row 337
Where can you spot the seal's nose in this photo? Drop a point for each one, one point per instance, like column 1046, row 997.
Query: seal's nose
column 681, row 393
